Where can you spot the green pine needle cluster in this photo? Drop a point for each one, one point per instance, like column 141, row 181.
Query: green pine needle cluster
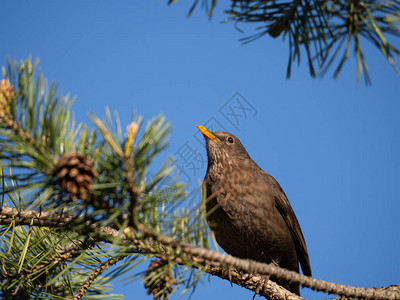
column 69, row 246
column 325, row 30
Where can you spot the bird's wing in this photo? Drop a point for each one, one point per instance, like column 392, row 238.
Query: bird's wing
column 204, row 202
column 285, row 209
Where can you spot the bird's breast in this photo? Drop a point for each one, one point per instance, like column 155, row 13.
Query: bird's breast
column 244, row 219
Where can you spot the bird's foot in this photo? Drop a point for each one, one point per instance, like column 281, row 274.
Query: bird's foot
column 261, row 284
column 230, row 276
column 228, row 271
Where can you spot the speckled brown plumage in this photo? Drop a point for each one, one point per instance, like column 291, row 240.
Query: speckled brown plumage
column 247, row 209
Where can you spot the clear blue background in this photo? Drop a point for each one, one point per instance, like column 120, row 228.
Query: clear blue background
column 334, row 147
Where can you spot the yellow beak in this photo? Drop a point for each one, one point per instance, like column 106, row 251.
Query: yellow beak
column 207, row 133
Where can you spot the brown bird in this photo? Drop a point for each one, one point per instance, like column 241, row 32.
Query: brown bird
column 247, row 210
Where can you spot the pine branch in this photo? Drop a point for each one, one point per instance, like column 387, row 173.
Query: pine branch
column 9, row 123
column 270, row 290
column 316, row 28
column 103, row 267
column 67, row 252
column 206, row 260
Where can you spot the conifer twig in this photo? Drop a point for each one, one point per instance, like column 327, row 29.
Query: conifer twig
column 6, row 98
column 212, row 262
column 104, row 266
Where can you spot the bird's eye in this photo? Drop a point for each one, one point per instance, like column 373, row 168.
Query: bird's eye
column 230, row 140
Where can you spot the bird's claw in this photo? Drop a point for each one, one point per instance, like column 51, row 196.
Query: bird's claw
column 230, row 276
column 229, row 273
column 261, row 285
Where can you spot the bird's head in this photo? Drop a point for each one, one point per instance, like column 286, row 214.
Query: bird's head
column 223, row 147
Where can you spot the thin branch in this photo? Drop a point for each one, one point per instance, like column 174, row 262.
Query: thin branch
column 134, row 191
column 207, row 260
column 33, row 217
column 13, row 126
column 270, row 290
column 104, row 266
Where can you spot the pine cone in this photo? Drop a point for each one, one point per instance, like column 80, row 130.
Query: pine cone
column 155, row 283
column 74, row 173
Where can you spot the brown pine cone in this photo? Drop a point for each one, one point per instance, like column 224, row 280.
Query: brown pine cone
column 74, row 173
column 154, row 283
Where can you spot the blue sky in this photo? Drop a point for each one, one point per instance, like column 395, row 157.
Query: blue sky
column 333, row 146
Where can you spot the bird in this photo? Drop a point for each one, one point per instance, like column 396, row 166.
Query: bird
column 247, row 210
